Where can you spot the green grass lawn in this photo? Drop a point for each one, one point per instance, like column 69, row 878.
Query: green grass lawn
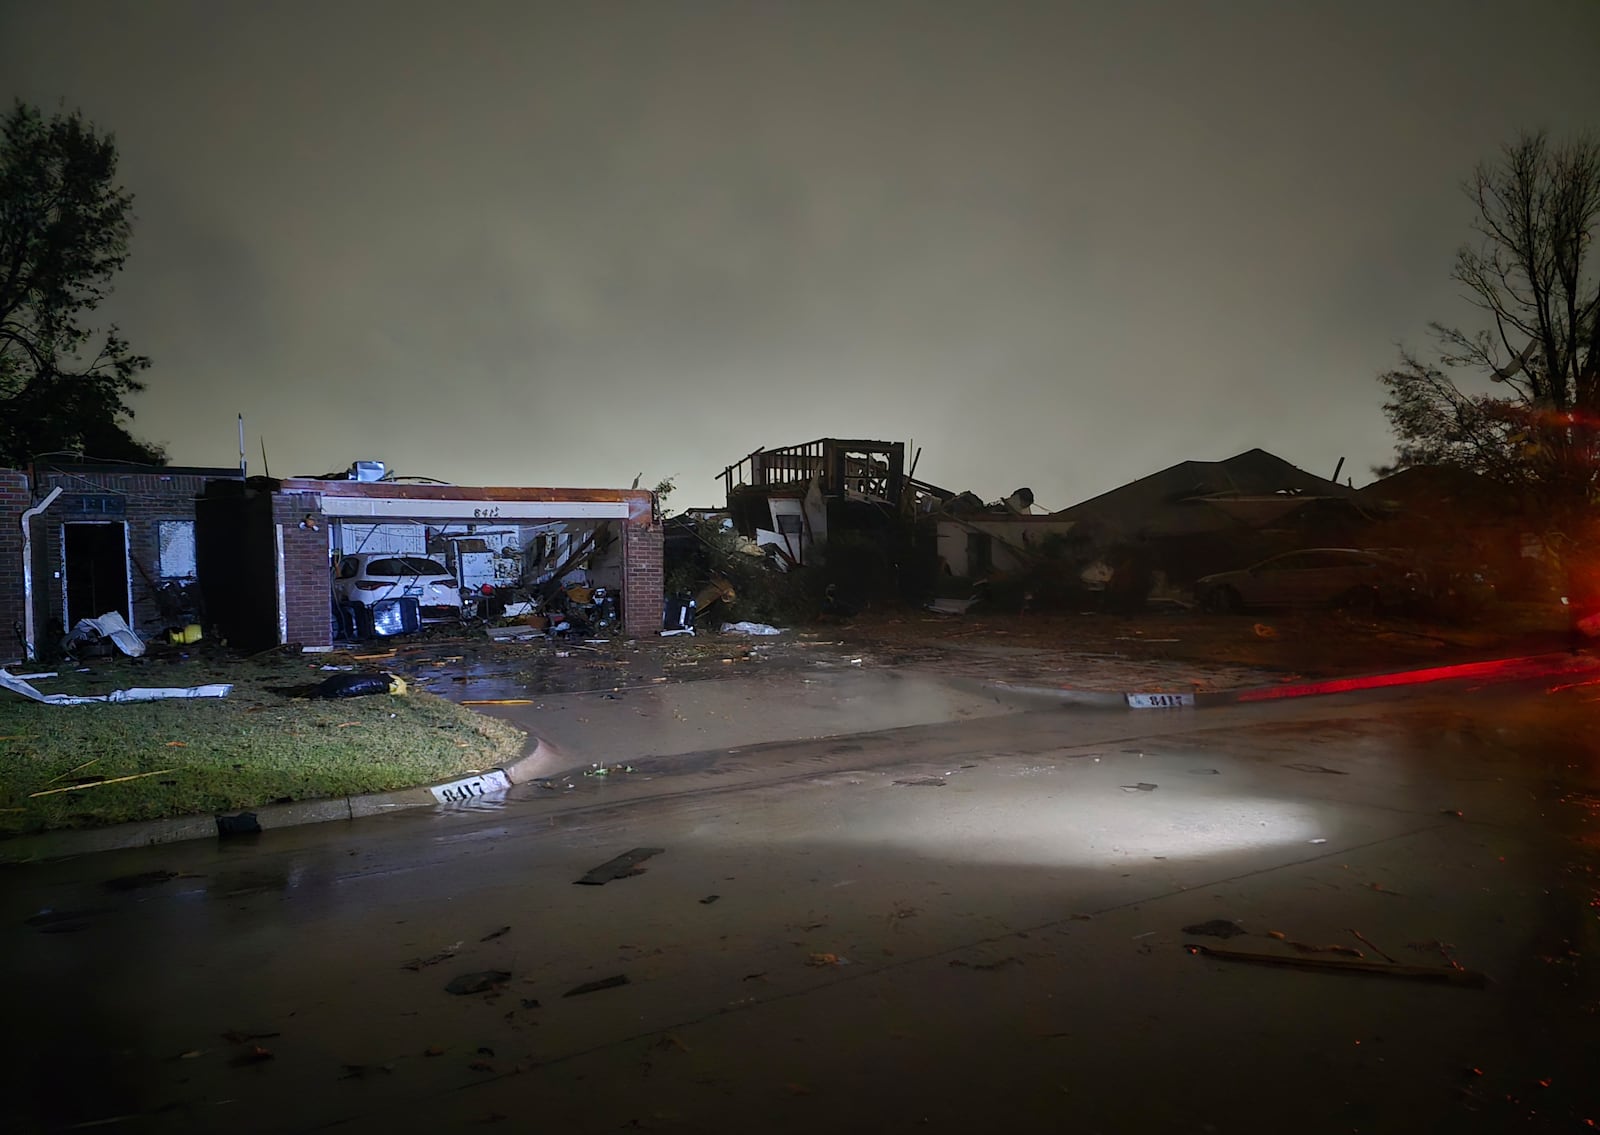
column 257, row 746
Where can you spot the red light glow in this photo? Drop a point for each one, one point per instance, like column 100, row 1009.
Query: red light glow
column 1504, row 669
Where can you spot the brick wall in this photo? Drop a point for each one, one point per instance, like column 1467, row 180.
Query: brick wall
column 15, row 499
column 307, row 588
column 139, row 500
column 642, row 584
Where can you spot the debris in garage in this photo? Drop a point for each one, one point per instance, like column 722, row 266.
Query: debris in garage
column 1467, row 979
column 611, row 982
column 621, row 867
column 480, row 982
column 1216, row 928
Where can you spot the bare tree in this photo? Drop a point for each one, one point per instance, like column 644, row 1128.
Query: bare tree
column 1535, row 422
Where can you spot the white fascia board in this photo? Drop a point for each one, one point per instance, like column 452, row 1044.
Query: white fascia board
column 401, row 508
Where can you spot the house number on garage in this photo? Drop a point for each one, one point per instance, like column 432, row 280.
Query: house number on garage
column 487, row 513
column 460, row 791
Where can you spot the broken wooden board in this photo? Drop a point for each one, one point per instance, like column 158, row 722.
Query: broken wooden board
column 1465, row 978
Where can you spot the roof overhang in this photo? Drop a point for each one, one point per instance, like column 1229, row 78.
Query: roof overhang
column 356, row 500
column 410, row 508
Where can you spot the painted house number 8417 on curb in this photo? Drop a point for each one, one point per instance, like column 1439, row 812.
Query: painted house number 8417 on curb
column 460, row 791
column 1159, row 701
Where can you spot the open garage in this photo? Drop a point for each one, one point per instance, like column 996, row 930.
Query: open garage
column 272, row 552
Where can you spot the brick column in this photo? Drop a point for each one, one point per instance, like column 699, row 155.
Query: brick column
column 641, row 576
column 307, row 588
column 15, row 499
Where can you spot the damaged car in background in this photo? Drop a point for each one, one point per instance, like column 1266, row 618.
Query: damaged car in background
column 1317, row 577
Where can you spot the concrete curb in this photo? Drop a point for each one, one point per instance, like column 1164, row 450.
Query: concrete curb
column 148, row 833
column 1518, row 668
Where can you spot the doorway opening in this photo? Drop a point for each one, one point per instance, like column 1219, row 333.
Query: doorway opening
column 95, row 562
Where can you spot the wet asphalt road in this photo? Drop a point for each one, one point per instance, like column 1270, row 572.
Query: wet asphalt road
column 968, row 926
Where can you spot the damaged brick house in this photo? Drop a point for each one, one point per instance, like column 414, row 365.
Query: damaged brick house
column 161, row 545
column 82, row 539
column 265, row 547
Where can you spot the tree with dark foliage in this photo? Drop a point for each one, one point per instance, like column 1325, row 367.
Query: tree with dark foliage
column 1518, row 398
column 64, row 226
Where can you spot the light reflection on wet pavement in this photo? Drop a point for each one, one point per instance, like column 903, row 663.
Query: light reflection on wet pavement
column 1002, row 901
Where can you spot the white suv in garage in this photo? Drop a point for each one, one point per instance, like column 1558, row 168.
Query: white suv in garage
column 368, row 578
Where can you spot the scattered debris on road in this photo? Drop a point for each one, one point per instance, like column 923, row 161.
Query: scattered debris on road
column 611, row 982
column 998, row 963
column 1369, row 944
column 709, row 899
column 361, row 1071
column 622, row 867
column 480, row 982
column 1216, row 928
column 443, row 955
column 1142, row 786
column 1303, row 766
column 142, row 879
column 820, row 960
column 1467, row 979
column 922, row 782
column 64, row 921
column 493, row 934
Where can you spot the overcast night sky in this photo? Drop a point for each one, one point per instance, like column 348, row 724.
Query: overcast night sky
column 1058, row 245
